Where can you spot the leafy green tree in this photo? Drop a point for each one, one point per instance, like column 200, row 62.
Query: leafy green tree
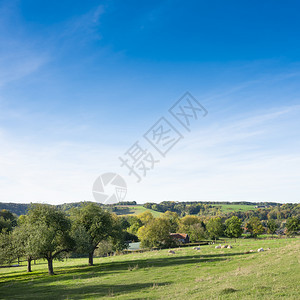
column 255, row 227
column 292, row 225
column 91, row 225
column 173, row 219
column 194, row 227
column 135, row 224
column 196, row 232
column 118, row 234
column 215, row 228
column 156, row 233
column 116, row 241
column 51, row 227
column 190, row 220
column 7, row 220
column 7, row 253
column 272, row 226
column 145, row 217
column 233, row 227
column 27, row 241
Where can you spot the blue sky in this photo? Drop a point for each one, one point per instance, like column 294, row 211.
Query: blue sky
column 81, row 81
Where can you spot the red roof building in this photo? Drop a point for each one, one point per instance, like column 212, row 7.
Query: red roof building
column 181, row 237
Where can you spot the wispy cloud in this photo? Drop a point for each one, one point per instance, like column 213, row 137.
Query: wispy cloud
column 235, row 161
column 85, row 26
column 20, row 54
column 52, row 172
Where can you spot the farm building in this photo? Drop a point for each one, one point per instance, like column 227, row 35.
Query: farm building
column 181, row 237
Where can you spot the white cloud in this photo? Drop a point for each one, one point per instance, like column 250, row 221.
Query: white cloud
column 53, row 172
column 233, row 161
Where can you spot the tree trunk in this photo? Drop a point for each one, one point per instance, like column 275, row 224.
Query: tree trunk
column 91, row 256
column 29, row 264
column 50, row 266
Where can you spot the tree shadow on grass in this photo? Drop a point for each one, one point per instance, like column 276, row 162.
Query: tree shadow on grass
column 43, row 291
column 63, row 285
column 115, row 267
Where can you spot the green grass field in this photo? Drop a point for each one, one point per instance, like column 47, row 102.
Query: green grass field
column 135, row 210
column 188, row 274
column 235, row 207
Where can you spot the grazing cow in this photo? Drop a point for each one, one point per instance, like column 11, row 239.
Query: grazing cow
column 229, row 247
column 260, row 250
column 171, row 252
column 224, row 246
column 218, row 247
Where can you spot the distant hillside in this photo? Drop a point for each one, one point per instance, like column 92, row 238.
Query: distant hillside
column 127, row 210
column 16, row 208
column 131, row 208
column 22, row 208
column 123, row 209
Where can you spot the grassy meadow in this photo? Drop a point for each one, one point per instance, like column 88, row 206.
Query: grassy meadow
column 134, row 210
column 226, row 208
column 138, row 209
column 187, row 274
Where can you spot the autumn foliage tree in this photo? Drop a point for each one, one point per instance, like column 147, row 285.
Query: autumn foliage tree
column 156, row 233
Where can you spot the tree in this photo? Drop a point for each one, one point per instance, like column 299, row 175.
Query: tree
column 145, row 217
column 190, row 220
column 194, row 227
column 118, row 235
column 215, row 228
column 7, row 253
column 156, row 233
column 135, row 223
column 91, row 225
column 173, row 219
column 27, row 240
column 51, row 228
column 255, row 227
column 233, row 227
column 7, row 220
column 272, row 226
column 292, row 225
column 196, row 232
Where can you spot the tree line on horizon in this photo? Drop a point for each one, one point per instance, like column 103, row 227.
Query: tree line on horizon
column 50, row 233
column 265, row 211
column 182, row 208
